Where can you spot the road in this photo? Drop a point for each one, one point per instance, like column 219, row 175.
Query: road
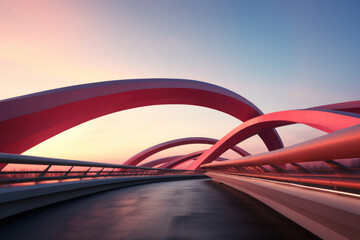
column 177, row 210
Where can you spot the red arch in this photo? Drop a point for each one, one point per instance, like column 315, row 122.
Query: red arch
column 171, row 158
column 28, row 120
column 135, row 160
column 159, row 161
column 352, row 107
column 327, row 121
column 173, row 163
column 337, row 145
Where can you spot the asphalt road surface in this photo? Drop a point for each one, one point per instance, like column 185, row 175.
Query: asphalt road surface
column 176, row 210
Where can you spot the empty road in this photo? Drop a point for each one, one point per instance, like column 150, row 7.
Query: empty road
column 187, row 209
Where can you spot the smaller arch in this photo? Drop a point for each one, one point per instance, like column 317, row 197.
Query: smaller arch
column 159, row 161
column 168, row 159
column 135, row 160
column 173, row 163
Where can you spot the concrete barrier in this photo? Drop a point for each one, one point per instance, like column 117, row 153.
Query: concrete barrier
column 15, row 200
column 326, row 213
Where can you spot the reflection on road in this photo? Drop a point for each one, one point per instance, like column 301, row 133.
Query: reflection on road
column 188, row 209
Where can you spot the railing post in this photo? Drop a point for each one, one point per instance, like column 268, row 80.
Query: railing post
column 67, row 173
column 111, row 171
column 99, row 172
column 45, row 171
column 85, row 173
column 131, row 171
column 338, row 167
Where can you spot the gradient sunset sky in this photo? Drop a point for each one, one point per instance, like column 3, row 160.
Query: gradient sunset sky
column 280, row 55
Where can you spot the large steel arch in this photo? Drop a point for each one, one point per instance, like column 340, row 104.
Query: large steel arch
column 173, row 163
column 352, row 107
column 341, row 144
column 30, row 119
column 328, row 121
column 135, row 160
column 178, row 158
column 159, row 161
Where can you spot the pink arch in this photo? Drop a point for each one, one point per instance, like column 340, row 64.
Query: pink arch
column 135, row 160
column 28, row 120
column 337, row 145
column 352, row 107
column 173, row 163
column 184, row 164
column 168, row 159
column 159, row 161
column 323, row 120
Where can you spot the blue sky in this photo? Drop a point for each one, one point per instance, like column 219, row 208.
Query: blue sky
column 278, row 54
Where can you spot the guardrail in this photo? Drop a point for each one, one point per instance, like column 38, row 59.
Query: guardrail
column 327, row 213
column 21, row 169
column 347, row 183
column 296, row 163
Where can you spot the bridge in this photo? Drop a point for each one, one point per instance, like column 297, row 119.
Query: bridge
column 307, row 191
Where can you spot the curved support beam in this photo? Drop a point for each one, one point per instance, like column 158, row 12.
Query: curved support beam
column 168, row 159
column 337, row 145
column 323, row 120
column 338, row 167
column 159, row 161
column 135, row 160
column 179, row 160
column 174, row 164
column 31, row 119
column 352, row 107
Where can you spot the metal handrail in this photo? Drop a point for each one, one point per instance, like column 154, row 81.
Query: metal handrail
column 338, row 145
column 320, row 181
column 106, row 170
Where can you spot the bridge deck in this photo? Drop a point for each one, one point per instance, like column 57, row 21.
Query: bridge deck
column 189, row 209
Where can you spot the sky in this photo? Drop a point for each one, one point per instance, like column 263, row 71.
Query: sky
column 280, row 55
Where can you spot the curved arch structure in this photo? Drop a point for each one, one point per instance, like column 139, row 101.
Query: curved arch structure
column 135, row 160
column 337, row 145
column 352, row 107
column 168, row 159
column 28, row 120
column 328, row 121
column 175, row 162
column 159, row 161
